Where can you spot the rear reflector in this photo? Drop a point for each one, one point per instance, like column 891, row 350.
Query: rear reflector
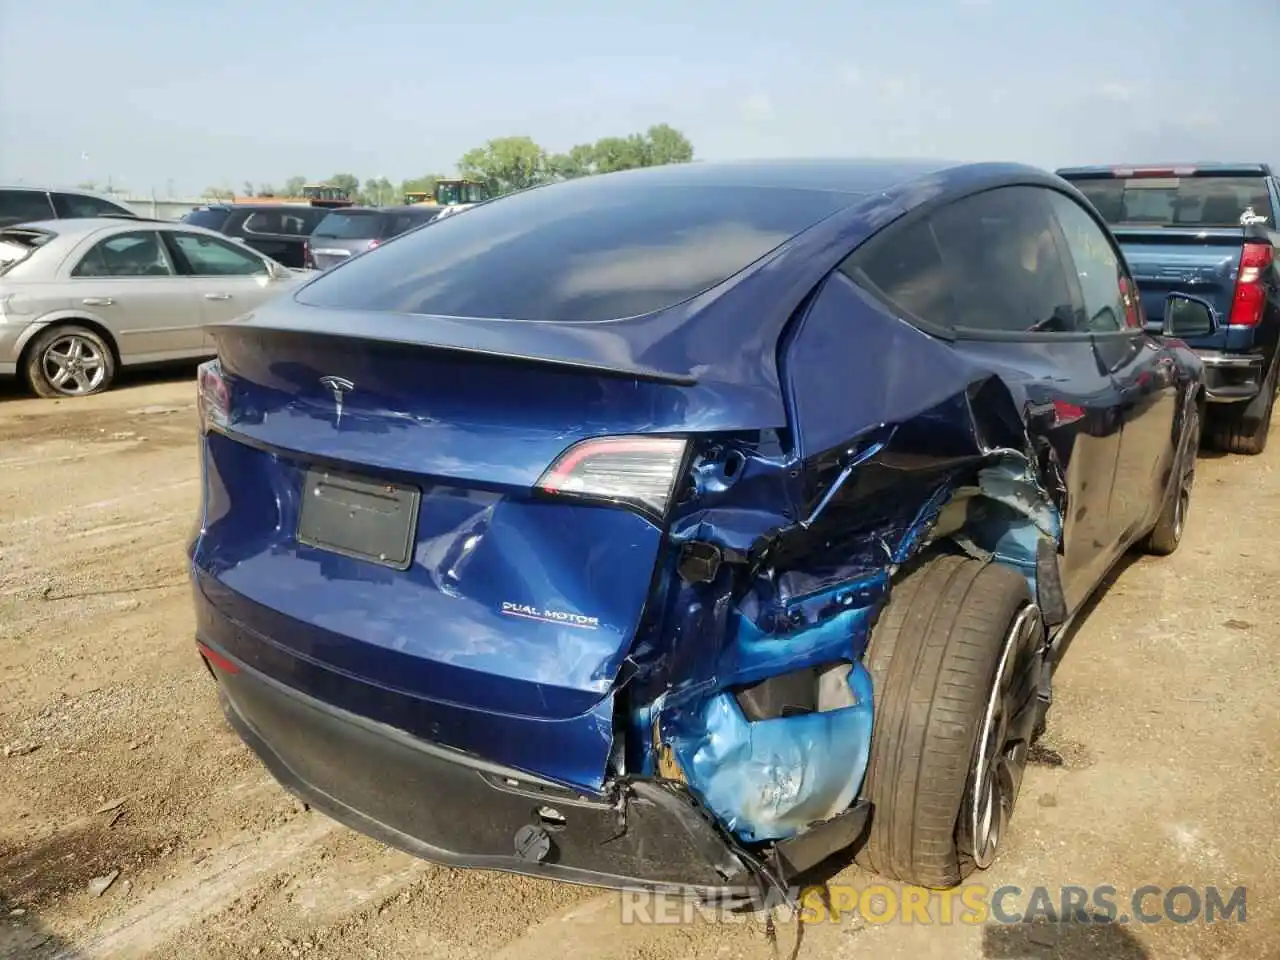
column 1250, row 300
column 637, row 472
column 216, row 659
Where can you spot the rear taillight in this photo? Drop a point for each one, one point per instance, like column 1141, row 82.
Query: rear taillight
column 373, row 243
column 1250, row 300
column 637, row 472
column 308, row 261
column 213, row 398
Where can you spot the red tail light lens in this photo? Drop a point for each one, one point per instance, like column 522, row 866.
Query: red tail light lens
column 308, row 261
column 373, row 243
column 1250, row 300
column 213, row 398
column 638, row 472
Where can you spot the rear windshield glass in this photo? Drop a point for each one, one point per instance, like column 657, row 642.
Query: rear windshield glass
column 17, row 245
column 586, row 250
column 1180, row 201
column 350, row 225
column 207, row 218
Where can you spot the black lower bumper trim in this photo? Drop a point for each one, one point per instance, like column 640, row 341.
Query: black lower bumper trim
column 454, row 809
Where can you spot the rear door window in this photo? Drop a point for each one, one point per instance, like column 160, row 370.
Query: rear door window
column 1178, row 201
column 351, row 225
column 77, row 205
column 24, row 206
column 285, row 222
column 992, row 262
column 587, row 250
column 136, row 254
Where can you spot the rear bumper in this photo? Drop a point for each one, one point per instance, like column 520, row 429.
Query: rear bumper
column 453, row 808
column 1231, row 377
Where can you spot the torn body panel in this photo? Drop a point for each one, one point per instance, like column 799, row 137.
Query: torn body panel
column 794, row 611
column 751, row 717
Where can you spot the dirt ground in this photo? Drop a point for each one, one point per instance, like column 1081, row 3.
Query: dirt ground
column 1161, row 767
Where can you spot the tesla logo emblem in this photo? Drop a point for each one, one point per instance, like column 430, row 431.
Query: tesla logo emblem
column 339, row 387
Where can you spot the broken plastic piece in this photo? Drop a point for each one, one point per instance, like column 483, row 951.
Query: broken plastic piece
column 772, row 778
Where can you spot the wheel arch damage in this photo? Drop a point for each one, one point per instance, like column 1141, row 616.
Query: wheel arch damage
column 746, row 681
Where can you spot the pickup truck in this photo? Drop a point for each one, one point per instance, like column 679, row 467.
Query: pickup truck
column 1208, row 231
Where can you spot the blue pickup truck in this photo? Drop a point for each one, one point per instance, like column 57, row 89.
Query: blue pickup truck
column 1207, row 230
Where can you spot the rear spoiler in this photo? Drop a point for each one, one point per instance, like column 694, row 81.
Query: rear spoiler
column 600, row 348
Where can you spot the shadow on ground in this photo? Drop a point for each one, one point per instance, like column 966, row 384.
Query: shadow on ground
column 1061, row 941
column 16, row 389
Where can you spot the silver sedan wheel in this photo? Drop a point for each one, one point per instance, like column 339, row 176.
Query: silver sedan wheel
column 74, row 365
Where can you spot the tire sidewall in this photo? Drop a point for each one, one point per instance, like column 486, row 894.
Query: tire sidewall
column 34, row 366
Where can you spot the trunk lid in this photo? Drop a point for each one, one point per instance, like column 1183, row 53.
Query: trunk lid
column 464, row 590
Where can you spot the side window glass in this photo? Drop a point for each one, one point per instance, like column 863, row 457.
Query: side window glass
column 71, row 206
column 210, row 257
column 24, row 206
column 139, row 254
column 1110, row 300
column 989, row 262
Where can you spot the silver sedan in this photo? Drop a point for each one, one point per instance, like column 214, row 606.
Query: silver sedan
column 81, row 298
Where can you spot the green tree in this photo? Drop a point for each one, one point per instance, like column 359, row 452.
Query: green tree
column 378, row 192
column 218, row 193
column 506, row 164
column 293, row 186
column 423, row 184
column 580, row 161
column 660, row 144
column 349, row 183
column 666, row 144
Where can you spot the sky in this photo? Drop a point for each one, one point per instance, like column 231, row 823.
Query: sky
column 177, row 96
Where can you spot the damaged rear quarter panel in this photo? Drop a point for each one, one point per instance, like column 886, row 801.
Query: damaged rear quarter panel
column 896, row 442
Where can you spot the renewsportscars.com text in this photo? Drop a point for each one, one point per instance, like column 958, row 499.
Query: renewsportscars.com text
column 975, row 904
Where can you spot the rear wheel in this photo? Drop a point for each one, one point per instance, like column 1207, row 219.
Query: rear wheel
column 955, row 660
column 69, row 361
column 1244, row 427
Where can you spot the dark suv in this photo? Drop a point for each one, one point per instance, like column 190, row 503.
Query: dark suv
column 280, row 230
column 356, row 229
column 28, row 204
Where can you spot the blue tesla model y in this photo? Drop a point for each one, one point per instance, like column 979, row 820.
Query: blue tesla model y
column 686, row 526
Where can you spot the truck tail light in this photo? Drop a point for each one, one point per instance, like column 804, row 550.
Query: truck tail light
column 308, row 261
column 637, row 472
column 1250, row 299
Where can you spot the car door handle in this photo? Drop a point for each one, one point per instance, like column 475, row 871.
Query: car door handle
column 97, row 301
column 217, row 296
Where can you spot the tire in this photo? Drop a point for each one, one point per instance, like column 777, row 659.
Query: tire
column 1244, row 427
column 1166, row 535
column 91, row 360
column 935, row 658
